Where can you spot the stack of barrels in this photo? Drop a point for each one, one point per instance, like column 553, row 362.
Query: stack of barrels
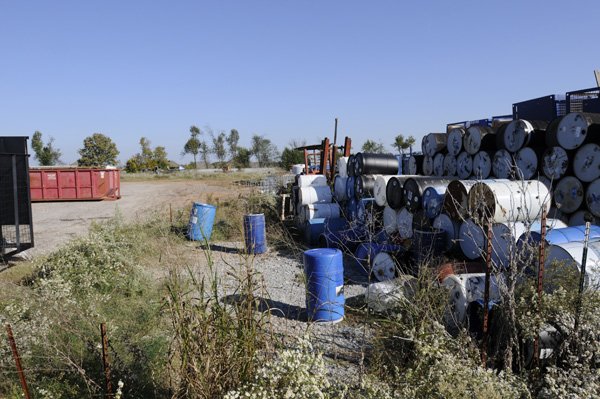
column 564, row 154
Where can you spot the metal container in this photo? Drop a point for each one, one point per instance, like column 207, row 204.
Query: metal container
column 376, row 164
column 471, row 238
column 482, row 165
column 504, row 241
column 414, row 188
column 350, row 165
column 568, row 194
column 393, row 193
column 342, row 166
column 384, row 267
column 508, row 201
column 464, row 165
column 433, row 143
column 428, row 165
column 592, row 197
column 450, row 165
column 574, row 129
column 451, row 227
column 350, row 187
column 339, row 188
column 323, row 210
column 456, row 200
column 415, row 165
column 433, row 199
column 586, row 163
column 555, row 163
column 502, row 164
column 324, row 271
column 569, row 255
column 438, row 165
column 520, row 133
column 405, row 223
column 526, row 163
column 478, row 138
column 390, row 221
column 314, row 194
column 365, row 211
column 580, row 217
column 74, row 184
column 379, row 189
column 311, row 180
column 364, row 186
column 454, row 142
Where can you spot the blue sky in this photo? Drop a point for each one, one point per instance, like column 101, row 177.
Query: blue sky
column 282, row 69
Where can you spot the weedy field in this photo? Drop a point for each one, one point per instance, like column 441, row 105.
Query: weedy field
column 190, row 320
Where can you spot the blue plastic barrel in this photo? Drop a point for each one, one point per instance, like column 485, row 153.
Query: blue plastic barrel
column 564, row 235
column 350, row 188
column 201, row 222
column 324, row 271
column 255, row 233
column 313, row 229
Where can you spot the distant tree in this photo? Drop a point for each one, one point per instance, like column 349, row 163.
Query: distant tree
column 401, row 143
column 242, row 158
column 192, row 146
column 205, row 152
column 147, row 159
column 46, row 155
column 98, row 150
column 219, row 147
column 160, row 157
column 232, row 142
column 373, row 147
column 290, row 157
column 263, row 150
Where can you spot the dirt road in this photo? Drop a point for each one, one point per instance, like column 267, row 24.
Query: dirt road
column 55, row 223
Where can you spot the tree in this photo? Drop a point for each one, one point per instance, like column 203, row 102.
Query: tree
column 264, row 151
column 98, row 150
column 232, row 141
column 401, row 144
column 242, row 158
column 46, row 155
column 373, row 147
column 192, row 146
column 290, row 157
column 147, row 159
column 204, row 151
column 219, row 147
column 160, row 157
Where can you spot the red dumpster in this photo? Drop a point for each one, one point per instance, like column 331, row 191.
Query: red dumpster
column 74, row 184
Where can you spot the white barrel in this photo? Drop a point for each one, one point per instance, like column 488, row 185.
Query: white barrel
column 342, row 166
column 502, row 164
column 454, row 142
column 526, row 163
column 438, row 165
column 450, row 227
column 586, row 164
column 405, row 223
column 390, row 220
column 297, row 169
column 313, row 195
column 339, row 188
column 579, row 218
column 504, row 241
column 427, row 165
column 568, row 194
column 465, row 289
column 509, row 201
column 555, row 163
column 570, row 254
column 572, row 130
column 384, row 267
column 464, row 165
column 449, row 165
column 471, row 238
column 516, row 133
column 550, row 224
column 315, row 211
column 379, row 189
column 456, row 200
column 415, row 165
column 592, row 197
column 311, row 180
column 473, row 138
column 434, row 143
column 482, row 165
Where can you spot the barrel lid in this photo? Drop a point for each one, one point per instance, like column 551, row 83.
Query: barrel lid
column 464, row 165
column 427, row 165
column 411, row 194
column 449, row 165
column 572, row 130
column 203, row 205
column 444, row 223
column 555, row 162
column 384, row 267
column 438, row 164
column 393, row 193
column 592, row 197
column 471, row 239
column 502, row 164
column 412, row 165
column 568, row 194
column 482, row 165
column 586, row 164
column 502, row 240
column 455, row 140
column 526, row 162
column 405, row 223
column 390, row 222
column 516, row 133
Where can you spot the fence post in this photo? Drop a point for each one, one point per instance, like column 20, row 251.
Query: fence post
column 540, row 284
column 105, row 360
column 486, row 295
column 15, row 352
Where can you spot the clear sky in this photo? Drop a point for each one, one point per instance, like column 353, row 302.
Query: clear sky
column 282, row 69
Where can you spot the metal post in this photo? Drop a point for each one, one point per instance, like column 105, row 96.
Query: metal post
column 486, row 295
column 171, row 214
column 335, row 132
column 540, row 284
column 582, row 276
column 16, row 202
column 15, row 352
column 105, row 360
